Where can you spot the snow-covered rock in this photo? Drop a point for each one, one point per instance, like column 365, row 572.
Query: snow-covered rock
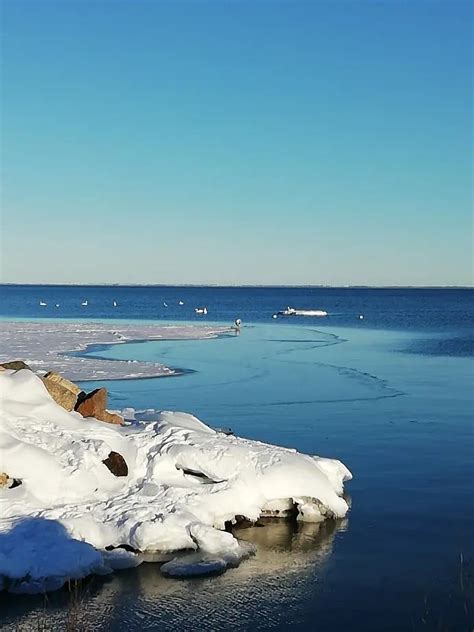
column 185, row 481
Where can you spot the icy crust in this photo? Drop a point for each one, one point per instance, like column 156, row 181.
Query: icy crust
column 47, row 347
column 70, row 516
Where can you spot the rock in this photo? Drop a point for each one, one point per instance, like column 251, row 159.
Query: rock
column 111, row 418
column 8, row 483
column 116, row 464
column 15, row 365
column 63, row 391
column 94, row 404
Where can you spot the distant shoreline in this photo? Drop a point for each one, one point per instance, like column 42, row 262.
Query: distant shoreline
column 244, row 286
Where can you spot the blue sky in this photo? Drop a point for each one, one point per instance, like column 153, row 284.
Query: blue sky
column 237, row 142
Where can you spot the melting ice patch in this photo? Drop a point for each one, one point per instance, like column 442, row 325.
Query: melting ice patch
column 57, row 346
column 185, row 482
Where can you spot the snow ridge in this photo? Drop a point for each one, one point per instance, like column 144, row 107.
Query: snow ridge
column 185, row 482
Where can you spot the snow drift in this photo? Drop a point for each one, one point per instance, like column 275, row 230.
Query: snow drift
column 70, row 516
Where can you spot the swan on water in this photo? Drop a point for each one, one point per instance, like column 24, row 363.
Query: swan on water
column 85, row 303
column 200, row 310
column 43, row 304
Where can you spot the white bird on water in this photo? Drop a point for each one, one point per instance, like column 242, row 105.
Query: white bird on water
column 180, row 303
column 115, row 303
column 165, row 304
column 200, row 310
column 85, row 303
column 43, row 304
column 57, row 304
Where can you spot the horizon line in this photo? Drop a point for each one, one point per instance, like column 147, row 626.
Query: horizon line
column 243, row 285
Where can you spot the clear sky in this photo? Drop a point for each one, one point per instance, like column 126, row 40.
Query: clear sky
column 237, row 142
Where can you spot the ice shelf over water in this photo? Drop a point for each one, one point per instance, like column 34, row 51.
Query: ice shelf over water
column 45, row 346
column 68, row 516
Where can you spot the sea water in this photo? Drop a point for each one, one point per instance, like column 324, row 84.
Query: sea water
column 389, row 394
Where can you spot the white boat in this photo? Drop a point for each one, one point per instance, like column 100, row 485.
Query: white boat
column 85, row 303
column 291, row 311
column 43, row 304
column 200, row 310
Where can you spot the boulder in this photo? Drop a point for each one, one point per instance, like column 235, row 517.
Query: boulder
column 94, row 404
column 63, row 391
column 116, row 464
column 8, row 483
column 111, row 418
column 15, row 365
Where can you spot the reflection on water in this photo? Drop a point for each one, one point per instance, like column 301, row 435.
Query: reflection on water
column 282, row 544
column 290, row 557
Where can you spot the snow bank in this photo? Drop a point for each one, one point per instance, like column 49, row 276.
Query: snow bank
column 70, row 516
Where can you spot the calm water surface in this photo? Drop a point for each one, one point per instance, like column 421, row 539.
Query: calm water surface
column 391, row 397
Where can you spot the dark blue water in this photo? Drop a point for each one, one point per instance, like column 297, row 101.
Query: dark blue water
column 390, row 395
column 432, row 309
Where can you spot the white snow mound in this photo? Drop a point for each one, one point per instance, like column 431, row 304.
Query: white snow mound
column 185, row 480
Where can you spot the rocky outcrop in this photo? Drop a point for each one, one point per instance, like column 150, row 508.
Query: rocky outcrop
column 8, row 483
column 94, row 404
column 15, row 365
column 116, row 464
column 70, row 396
column 63, row 391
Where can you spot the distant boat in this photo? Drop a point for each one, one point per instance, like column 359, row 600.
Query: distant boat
column 85, row 303
column 180, row 303
column 291, row 311
column 200, row 310
column 115, row 303
column 43, row 304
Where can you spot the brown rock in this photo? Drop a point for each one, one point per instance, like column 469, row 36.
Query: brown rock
column 15, row 365
column 111, row 418
column 94, row 404
column 8, row 483
column 116, row 464
column 61, row 390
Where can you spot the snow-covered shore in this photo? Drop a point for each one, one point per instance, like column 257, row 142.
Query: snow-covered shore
column 68, row 516
column 45, row 346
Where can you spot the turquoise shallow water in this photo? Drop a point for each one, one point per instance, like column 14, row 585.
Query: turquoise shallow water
column 402, row 422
